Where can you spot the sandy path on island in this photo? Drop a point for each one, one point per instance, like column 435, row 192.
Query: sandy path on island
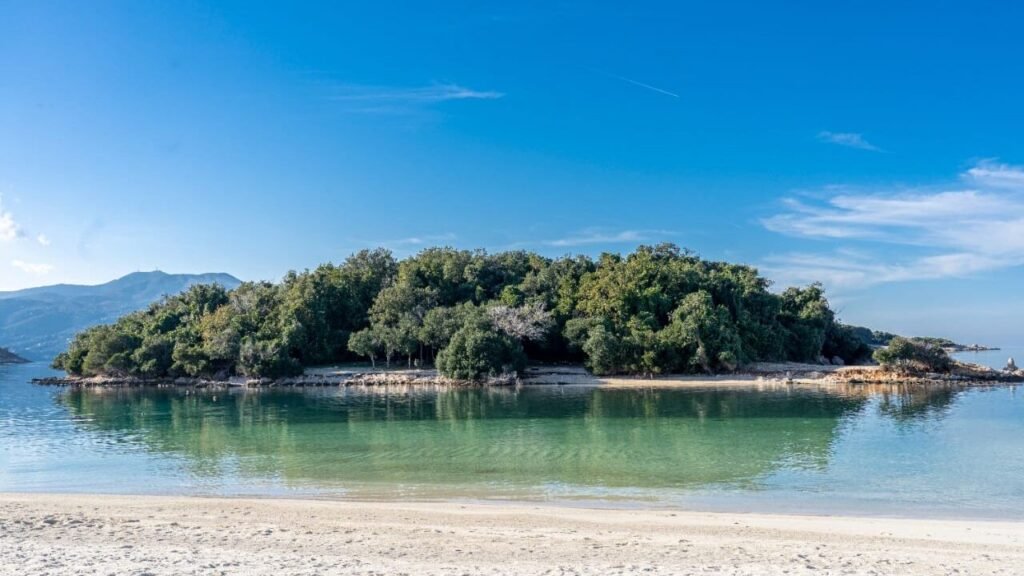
column 74, row 534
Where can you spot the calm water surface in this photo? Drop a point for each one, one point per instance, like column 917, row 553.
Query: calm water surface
column 879, row 451
column 994, row 358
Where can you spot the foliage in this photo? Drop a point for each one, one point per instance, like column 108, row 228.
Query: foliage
column 806, row 317
column 847, row 343
column 477, row 351
column 659, row 309
column 528, row 322
column 911, row 354
column 365, row 343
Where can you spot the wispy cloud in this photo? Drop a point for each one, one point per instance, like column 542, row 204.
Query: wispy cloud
column 848, row 139
column 966, row 227
column 594, row 236
column 9, row 228
column 32, row 268
column 637, row 83
column 382, row 95
column 993, row 174
column 429, row 239
column 406, row 245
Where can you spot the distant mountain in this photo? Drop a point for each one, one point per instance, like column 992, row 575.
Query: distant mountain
column 8, row 357
column 38, row 322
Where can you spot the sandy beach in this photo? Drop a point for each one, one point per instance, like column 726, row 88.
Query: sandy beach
column 85, row 534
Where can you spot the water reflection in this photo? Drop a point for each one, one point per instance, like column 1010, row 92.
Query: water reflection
column 506, row 439
column 770, row 447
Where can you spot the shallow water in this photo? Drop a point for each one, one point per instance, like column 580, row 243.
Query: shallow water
column 877, row 451
column 994, row 358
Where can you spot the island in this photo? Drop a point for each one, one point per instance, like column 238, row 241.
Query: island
column 468, row 317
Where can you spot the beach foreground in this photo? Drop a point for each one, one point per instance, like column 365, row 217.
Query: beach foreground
column 85, row 534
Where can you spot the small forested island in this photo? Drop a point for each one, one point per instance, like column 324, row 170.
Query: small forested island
column 8, row 357
column 477, row 316
column 880, row 339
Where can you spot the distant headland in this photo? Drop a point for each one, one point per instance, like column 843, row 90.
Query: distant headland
column 8, row 357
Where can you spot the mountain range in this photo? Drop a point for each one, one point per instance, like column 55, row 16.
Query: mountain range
column 37, row 323
column 8, row 357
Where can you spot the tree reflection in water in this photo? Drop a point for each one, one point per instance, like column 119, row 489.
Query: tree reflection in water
column 494, row 439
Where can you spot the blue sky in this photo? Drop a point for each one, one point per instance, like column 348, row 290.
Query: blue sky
column 872, row 145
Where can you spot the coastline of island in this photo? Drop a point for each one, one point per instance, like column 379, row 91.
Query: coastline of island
column 571, row 374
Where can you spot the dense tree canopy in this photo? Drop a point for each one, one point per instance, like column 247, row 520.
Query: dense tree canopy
column 660, row 309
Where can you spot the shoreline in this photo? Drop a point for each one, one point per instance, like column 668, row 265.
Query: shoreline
column 86, row 534
column 764, row 373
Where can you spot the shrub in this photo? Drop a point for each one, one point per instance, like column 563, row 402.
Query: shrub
column 476, row 352
column 904, row 353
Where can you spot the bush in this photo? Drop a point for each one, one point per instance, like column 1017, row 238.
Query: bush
column 266, row 359
column 904, row 353
column 476, row 352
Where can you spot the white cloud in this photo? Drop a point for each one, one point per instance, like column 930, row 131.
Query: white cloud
column 993, row 174
column 9, row 228
column 945, row 232
column 588, row 237
column 431, row 239
column 848, row 139
column 407, row 245
column 841, row 271
column 420, row 95
column 32, row 268
column 43, row 240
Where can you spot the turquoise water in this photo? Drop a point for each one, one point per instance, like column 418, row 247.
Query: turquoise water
column 878, row 451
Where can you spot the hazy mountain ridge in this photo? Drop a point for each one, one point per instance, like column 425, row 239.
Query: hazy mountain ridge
column 8, row 357
column 38, row 322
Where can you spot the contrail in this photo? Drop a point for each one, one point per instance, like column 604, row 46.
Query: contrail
column 638, row 83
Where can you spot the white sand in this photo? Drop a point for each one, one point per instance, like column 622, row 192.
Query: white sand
column 72, row 534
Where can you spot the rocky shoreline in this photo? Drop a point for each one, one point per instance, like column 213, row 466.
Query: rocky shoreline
column 962, row 373
column 313, row 379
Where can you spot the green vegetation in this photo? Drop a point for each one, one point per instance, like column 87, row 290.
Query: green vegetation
column 913, row 354
column 660, row 309
column 878, row 339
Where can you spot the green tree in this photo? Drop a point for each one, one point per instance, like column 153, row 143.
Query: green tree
column 706, row 332
column 806, row 317
column 477, row 351
column 659, row 309
column 365, row 343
